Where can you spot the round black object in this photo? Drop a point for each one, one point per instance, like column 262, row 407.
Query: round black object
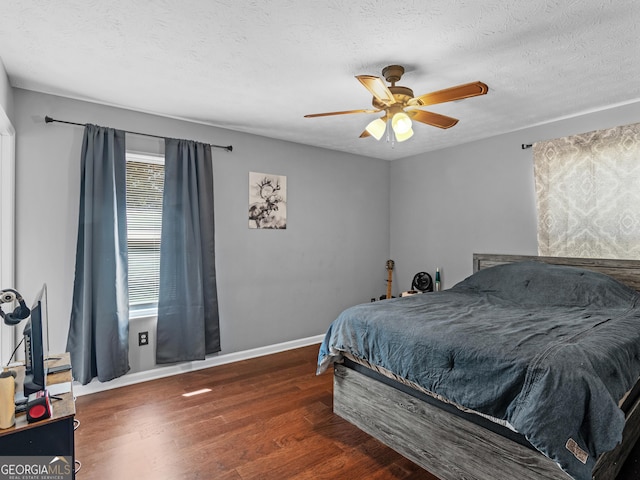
column 422, row 281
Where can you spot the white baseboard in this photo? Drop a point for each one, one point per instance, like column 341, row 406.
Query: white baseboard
column 160, row 372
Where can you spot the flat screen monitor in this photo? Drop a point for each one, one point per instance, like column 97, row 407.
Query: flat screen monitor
column 35, row 346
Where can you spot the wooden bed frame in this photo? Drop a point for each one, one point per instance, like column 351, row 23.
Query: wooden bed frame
column 452, row 447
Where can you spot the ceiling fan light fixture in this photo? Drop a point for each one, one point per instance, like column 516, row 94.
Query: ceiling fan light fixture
column 392, row 101
column 401, row 137
column 401, row 123
column 376, row 128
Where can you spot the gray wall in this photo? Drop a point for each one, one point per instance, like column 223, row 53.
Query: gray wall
column 474, row 198
column 7, row 163
column 6, row 92
column 274, row 286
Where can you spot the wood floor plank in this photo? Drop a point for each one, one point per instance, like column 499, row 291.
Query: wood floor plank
column 265, row 418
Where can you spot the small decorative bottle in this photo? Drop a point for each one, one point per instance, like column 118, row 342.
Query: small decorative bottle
column 437, row 282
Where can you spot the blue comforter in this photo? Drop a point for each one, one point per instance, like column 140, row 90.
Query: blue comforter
column 549, row 349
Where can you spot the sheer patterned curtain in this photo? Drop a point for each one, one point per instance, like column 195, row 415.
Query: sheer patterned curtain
column 588, row 194
column 98, row 337
column 188, row 324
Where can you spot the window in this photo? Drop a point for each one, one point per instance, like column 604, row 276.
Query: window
column 145, row 182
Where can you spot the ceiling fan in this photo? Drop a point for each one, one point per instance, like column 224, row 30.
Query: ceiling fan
column 400, row 107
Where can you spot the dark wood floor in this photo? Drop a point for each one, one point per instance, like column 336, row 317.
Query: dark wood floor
column 265, row 418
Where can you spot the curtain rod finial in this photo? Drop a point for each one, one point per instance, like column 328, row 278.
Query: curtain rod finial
column 526, row 145
column 48, row 119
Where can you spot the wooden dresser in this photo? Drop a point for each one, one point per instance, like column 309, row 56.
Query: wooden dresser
column 52, row 437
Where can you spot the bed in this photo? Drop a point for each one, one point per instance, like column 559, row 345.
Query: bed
column 524, row 370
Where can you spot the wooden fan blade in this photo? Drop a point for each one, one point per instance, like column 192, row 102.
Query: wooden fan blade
column 450, row 94
column 346, row 112
column 430, row 118
column 365, row 134
column 378, row 88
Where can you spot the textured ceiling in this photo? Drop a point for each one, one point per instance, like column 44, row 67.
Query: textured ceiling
column 260, row 66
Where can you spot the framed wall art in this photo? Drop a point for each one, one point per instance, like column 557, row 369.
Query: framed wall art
column 267, row 201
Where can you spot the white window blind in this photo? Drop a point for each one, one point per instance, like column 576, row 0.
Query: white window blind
column 145, row 182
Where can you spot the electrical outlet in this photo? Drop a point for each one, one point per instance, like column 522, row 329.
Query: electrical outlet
column 143, row 338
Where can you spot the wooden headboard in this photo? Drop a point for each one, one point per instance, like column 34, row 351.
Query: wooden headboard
column 625, row 271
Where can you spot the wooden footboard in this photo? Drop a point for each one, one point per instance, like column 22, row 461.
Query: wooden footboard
column 450, row 447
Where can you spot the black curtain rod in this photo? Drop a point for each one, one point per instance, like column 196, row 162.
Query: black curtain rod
column 48, row 119
column 526, row 145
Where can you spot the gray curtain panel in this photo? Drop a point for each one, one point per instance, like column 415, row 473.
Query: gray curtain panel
column 99, row 330
column 188, row 323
